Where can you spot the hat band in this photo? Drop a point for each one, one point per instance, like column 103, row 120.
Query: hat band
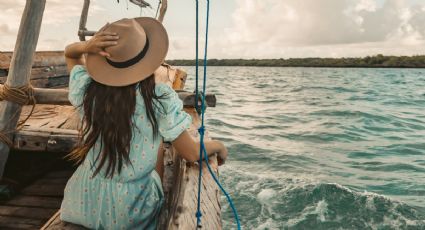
column 131, row 61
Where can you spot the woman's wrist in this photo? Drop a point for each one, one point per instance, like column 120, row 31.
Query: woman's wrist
column 76, row 50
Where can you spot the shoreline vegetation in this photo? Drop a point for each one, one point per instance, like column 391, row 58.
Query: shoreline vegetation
column 377, row 61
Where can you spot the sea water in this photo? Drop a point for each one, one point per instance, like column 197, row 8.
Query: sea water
column 320, row 148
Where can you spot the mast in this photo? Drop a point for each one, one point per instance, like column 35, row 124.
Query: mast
column 20, row 70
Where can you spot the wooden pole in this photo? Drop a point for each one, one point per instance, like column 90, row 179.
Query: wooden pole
column 20, row 68
column 83, row 21
column 163, row 10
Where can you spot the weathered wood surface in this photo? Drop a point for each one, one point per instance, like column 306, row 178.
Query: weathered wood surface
column 20, row 68
column 180, row 184
column 34, row 205
column 51, row 128
column 163, row 10
column 48, row 69
column 41, row 59
column 182, row 201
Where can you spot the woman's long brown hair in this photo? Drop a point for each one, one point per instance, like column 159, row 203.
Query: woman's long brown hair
column 108, row 113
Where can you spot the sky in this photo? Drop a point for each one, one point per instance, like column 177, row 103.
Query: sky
column 247, row 28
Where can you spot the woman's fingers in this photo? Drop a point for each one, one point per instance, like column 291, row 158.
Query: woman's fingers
column 104, row 54
column 105, row 33
column 106, row 44
column 109, row 38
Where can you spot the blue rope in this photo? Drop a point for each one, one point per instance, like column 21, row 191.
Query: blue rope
column 201, row 130
column 198, row 212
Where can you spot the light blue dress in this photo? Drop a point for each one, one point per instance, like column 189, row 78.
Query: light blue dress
column 132, row 199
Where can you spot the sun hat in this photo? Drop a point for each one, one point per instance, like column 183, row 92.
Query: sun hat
column 141, row 49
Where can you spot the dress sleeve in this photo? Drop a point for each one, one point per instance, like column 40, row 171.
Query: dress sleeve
column 78, row 82
column 172, row 120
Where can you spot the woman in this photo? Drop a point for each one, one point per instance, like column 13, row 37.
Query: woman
column 125, row 116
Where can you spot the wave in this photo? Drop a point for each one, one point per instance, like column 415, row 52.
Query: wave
column 330, row 206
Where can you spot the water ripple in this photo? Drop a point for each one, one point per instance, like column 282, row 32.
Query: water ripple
column 321, row 148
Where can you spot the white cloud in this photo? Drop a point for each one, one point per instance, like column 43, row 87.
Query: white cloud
column 275, row 28
column 58, row 17
column 255, row 29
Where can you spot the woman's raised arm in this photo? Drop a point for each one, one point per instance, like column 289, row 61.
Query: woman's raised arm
column 74, row 52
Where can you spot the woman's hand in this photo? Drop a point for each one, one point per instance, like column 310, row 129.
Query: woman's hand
column 222, row 154
column 96, row 45
column 101, row 40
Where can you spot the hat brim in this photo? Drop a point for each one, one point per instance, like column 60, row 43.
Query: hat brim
column 101, row 71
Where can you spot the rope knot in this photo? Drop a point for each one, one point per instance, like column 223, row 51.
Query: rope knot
column 201, row 130
column 198, row 214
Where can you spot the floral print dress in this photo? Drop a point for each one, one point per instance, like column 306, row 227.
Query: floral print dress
column 133, row 198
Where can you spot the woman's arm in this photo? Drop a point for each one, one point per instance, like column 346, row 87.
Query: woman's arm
column 74, row 52
column 189, row 149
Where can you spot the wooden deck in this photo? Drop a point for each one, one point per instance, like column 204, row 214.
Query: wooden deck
column 35, row 204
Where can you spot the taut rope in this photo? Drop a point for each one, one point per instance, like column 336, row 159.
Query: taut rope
column 22, row 95
column 203, row 153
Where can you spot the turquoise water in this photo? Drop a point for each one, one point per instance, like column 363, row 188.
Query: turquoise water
column 321, row 148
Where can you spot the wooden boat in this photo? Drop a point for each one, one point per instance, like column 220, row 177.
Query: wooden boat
column 51, row 131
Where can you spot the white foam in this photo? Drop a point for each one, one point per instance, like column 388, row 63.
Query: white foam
column 265, row 195
column 269, row 224
column 321, row 210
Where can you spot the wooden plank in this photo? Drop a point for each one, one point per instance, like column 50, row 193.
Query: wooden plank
column 184, row 202
column 35, row 201
column 180, row 185
column 41, row 59
column 31, row 141
column 20, row 68
column 27, row 212
column 73, row 121
column 189, row 99
column 8, row 222
column 45, row 139
column 60, row 180
column 44, row 190
column 59, row 174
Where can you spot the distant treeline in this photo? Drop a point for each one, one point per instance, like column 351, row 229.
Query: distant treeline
column 369, row 61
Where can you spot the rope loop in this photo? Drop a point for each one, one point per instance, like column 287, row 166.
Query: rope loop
column 21, row 95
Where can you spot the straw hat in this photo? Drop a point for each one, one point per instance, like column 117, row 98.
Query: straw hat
column 141, row 49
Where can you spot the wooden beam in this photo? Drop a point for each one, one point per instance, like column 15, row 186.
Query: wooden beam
column 163, row 10
column 190, row 98
column 45, row 139
column 60, row 97
column 20, row 68
column 52, row 96
column 41, row 59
